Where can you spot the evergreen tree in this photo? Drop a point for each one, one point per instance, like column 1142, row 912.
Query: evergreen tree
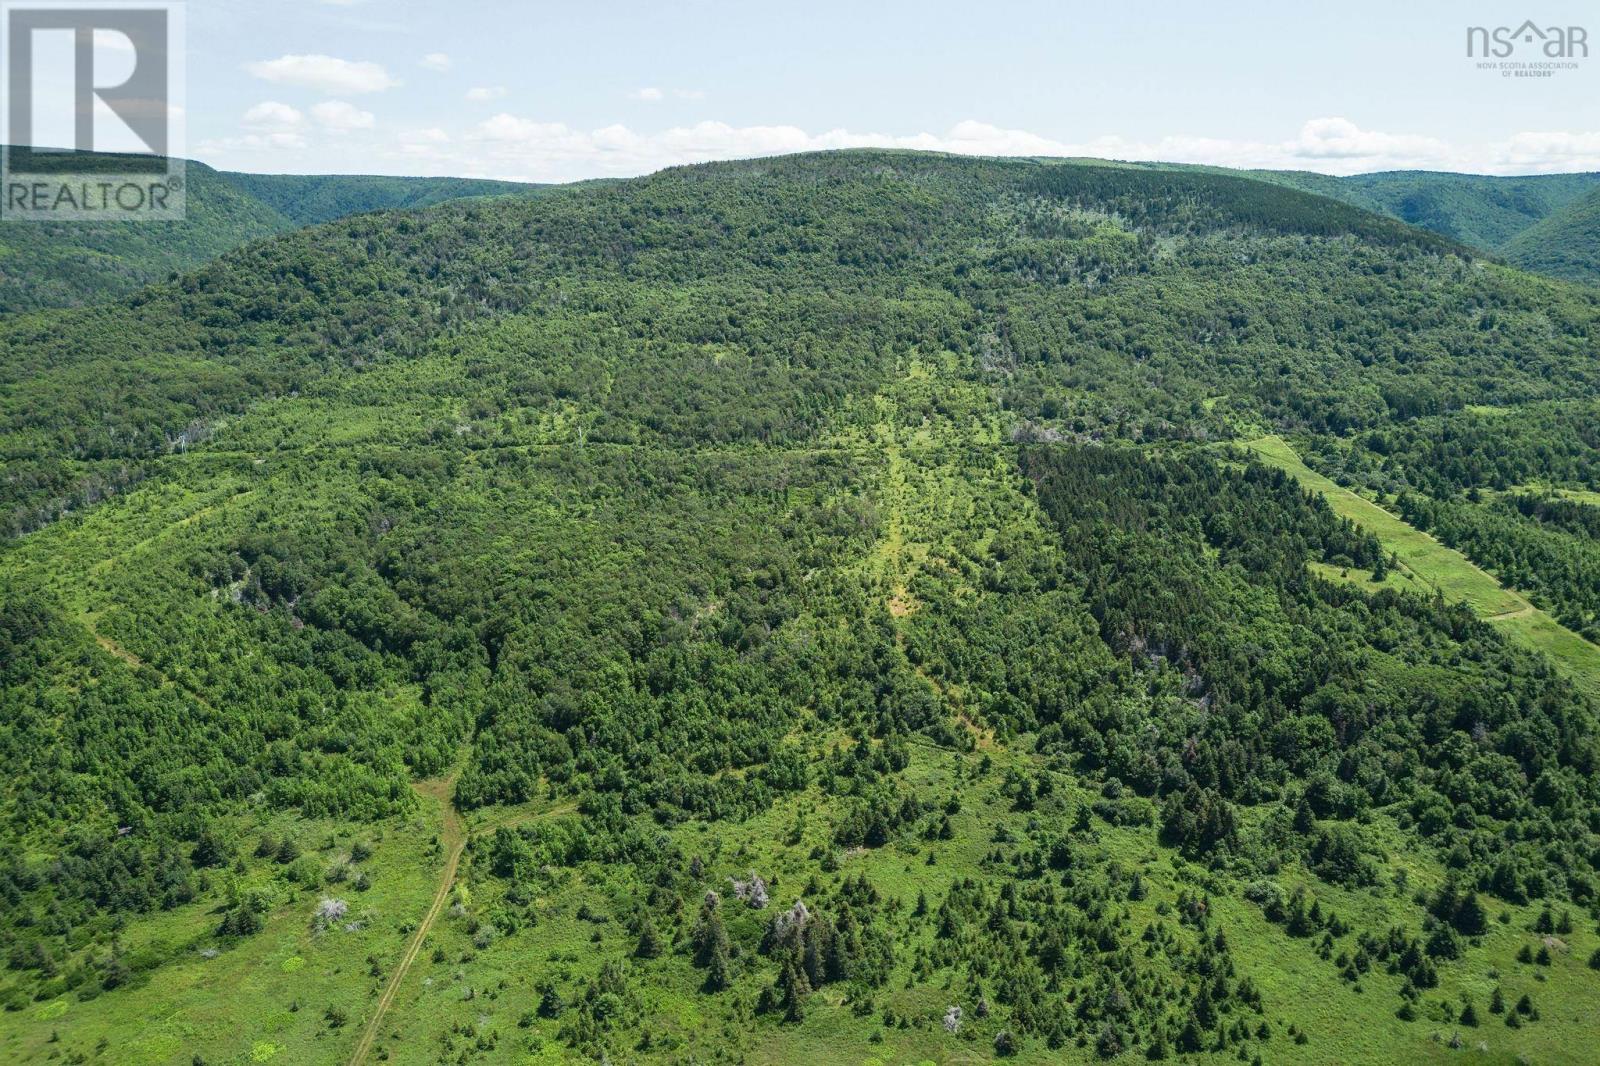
column 793, row 990
column 719, row 970
column 710, row 937
column 649, row 946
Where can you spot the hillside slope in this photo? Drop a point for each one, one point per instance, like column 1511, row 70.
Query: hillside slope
column 43, row 266
column 806, row 609
column 64, row 265
column 1544, row 223
column 1566, row 244
column 308, row 199
column 1475, row 209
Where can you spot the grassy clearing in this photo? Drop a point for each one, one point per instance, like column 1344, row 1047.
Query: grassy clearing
column 485, row 992
column 286, row 995
column 1441, row 569
column 1575, row 495
column 1427, row 565
column 1401, row 579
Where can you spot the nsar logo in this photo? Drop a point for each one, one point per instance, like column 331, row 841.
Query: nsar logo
column 1552, row 42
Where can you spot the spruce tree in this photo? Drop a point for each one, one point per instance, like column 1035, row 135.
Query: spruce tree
column 649, row 942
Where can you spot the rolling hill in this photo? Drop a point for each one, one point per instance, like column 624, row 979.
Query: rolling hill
column 1566, row 244
column 1543, row 223
column 307, row 199
column 63, row 265
column 66, row 265
column 827, row 608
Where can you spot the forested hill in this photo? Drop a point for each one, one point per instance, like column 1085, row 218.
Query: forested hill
column 806, row 609
column 1537, row 222
column 307, row 199
column 1564, row 244
column 66, row 265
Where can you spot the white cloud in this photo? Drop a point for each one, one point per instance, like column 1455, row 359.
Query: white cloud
column 481, row 93
column 324, row 73
column 342, row 117
column 271, row 115
column 653, row 94
column 1339, row 138
column 425, row 147
column 1549, row 151
column 528, row 148
column 438, row 62
column 428, row 135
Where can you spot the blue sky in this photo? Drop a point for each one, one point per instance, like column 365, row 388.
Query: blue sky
column 566, row 91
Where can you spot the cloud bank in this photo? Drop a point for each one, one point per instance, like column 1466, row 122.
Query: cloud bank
column 534, row 149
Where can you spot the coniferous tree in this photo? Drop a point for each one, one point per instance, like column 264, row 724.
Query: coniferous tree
column 649, row 946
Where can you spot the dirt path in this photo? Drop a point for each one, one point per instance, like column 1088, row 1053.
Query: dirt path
column 513, row 819
column 110, row 645
column 454, row 839
column 90, row 618
column 182, row 523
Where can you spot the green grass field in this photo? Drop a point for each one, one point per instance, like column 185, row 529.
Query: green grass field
column 1429, row 566
column 273, row 997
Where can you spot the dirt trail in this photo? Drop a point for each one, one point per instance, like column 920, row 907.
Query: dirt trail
column 110, row 645
column 182, row 523
column 90, row 618
column 453, row 837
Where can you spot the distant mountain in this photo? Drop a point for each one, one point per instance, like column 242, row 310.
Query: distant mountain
column 307, row 199
column 1536, row 222
column 1566, row 244
column 67, row 264
column 70, row 264
column 1474, row 209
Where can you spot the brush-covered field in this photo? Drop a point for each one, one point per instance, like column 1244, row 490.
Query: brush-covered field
column 859, row 608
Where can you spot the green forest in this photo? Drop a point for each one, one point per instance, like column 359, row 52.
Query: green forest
column 825, row 608
column 46, row 265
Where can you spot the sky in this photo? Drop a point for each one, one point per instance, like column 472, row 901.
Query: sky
column 558, row 92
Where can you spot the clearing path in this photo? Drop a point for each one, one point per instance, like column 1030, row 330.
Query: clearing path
column 182, row 523
column 1447, row 571
column 453, row 837
column 89, row 616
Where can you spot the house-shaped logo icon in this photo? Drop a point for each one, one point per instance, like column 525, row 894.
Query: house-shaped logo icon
column 1527, row 31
